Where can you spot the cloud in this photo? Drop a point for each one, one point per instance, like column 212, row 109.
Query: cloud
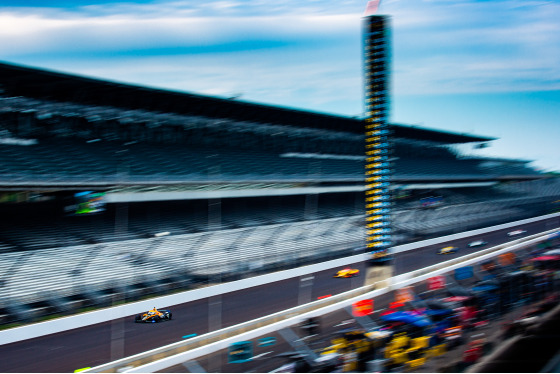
column 473, row 46
column 275, row 52
column 75, row 33
column 439, row 46
column 300, row 80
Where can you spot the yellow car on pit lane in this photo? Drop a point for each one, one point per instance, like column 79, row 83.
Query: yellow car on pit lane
column 347, row 273
column 447, row 250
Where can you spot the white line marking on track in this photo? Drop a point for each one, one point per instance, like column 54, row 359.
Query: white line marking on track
column 306, row 337
column 345, row 322
column 262, row 354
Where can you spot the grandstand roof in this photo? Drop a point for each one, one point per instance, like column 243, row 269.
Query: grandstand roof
column 446, row 137
column 500, row 159
column 48, row 85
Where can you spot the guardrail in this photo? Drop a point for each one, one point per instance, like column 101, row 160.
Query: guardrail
column 182, row 351
column 90, row 318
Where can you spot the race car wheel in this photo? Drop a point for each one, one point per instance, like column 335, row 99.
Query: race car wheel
column 157, row 319
column 138, row 318
column 169, row 316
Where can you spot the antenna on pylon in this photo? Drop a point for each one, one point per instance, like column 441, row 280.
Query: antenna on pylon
column 371, row 7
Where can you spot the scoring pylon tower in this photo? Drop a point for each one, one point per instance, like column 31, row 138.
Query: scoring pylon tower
column 378, row 168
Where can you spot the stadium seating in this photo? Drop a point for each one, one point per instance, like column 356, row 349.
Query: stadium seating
column 57, row 160
column 65, row 271
column 450, row 168
column 77, row 142
column 42, row 225
column 547, row 187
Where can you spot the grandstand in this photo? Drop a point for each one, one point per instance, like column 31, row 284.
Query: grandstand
column 199, row 189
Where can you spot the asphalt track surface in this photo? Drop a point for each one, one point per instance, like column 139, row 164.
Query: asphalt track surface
column 101, row 343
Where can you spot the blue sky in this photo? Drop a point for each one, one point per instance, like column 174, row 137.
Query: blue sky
column 485, row 67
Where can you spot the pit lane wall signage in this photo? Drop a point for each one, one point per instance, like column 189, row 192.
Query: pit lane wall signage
column 403, row 295
column 436, row 283
column 362, row 308
column 377, row 167
column 465, row 272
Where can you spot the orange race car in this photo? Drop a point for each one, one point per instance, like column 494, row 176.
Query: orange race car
column 347, row 273
column 153, row 316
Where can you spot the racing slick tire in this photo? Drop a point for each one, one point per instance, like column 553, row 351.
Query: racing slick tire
column 169, row 316
column 138, row 318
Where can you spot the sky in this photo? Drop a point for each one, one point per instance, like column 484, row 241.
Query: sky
column 481, row 67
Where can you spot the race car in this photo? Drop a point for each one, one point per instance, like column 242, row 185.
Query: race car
column 347, row 273
column 516, row 232
column 153, row 316
column 477, row 243
column 447, row 250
